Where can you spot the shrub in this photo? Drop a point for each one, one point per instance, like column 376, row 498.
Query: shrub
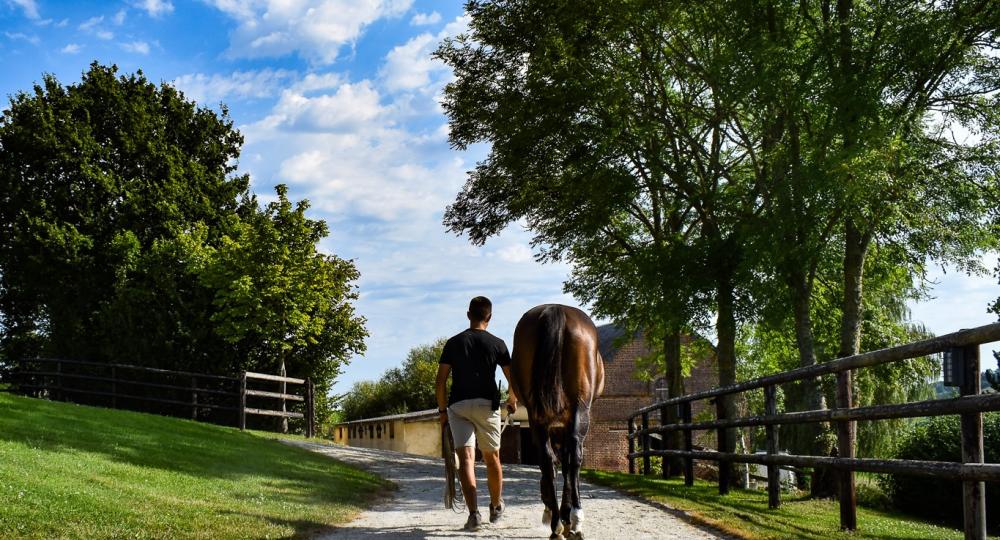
column 939, row 439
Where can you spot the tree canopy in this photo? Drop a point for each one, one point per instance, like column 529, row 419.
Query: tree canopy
column 755, row 164
column 126, row 235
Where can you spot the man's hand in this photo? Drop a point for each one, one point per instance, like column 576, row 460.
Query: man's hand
column 443, row 417
column 511, row 404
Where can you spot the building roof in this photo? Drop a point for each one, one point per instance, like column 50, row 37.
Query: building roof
column 606, row 336
column 416, row 415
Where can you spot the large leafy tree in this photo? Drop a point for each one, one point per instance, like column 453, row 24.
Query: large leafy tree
column 125, row 235
column 90, row 175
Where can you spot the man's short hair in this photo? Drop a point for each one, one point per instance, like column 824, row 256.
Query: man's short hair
column 480, row 309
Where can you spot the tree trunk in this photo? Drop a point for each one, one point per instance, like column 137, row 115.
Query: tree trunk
column 725, row 328
column 675, row 388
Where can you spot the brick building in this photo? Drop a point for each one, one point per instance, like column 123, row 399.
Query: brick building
column 606, row 444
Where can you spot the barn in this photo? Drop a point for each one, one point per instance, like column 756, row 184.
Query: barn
column 606, row 445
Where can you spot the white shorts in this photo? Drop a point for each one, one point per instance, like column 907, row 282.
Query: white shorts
column 478, row 418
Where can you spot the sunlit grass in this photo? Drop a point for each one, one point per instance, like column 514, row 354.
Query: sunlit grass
column 69, row 471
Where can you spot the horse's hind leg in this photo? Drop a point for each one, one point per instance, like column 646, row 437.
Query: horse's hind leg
column 546, row 461
column 573, row 450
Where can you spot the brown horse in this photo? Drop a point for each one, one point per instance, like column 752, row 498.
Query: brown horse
column 557, row 372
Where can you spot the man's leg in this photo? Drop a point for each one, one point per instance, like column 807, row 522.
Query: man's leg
column 467, row 475
column 494, row 476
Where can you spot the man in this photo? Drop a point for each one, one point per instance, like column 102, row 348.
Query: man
column 472, row 409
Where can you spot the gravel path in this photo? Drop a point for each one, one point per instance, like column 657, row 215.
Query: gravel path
column 416, row 510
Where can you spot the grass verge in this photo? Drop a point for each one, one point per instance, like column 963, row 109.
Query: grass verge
column 744, row 513
column 69, row 471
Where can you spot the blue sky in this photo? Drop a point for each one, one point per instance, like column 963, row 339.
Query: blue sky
column 339, row 100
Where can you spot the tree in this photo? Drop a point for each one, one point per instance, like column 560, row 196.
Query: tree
column 126, row 236
column 279, row 301
column 408, row 388
column 90, row 175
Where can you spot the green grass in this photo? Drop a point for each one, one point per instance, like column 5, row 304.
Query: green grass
column 69, row 471
column 744, row 513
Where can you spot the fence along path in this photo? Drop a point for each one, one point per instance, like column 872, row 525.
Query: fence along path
column 135, row 387
column 962, row 346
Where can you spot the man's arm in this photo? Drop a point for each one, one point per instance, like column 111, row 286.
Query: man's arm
column 441, row 387
column 511, row 398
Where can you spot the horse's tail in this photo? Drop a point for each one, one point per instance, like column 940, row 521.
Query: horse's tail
column 549, row 395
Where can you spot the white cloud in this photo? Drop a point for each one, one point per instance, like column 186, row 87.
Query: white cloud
column 90, row 23
column 350, row 109
column 21, row 36
column 215, row 88
column 71, row 48
column 410, row 67
column 29, row 7
column 516, row 253
column 119, row 17
column 316, row 29
column 425, row 19
column 138, row 47
column 105, row 35
column 63, row 23
column 155, row 8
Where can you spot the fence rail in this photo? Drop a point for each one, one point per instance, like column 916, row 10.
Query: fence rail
column 970, row 406
column 67, row 380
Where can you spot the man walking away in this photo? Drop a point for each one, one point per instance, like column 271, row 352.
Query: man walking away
column 472, row 409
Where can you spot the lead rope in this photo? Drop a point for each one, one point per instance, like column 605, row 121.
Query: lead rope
column 452, row 486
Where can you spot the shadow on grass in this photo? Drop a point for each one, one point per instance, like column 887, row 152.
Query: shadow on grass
column 797, row 517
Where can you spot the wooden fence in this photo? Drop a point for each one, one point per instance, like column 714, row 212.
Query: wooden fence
column 969, row 405
column 175, row 393
column 309, row 415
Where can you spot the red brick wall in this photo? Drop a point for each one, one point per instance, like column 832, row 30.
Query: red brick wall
column 624, row 393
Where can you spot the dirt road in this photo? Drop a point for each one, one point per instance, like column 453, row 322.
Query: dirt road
column 417, row 510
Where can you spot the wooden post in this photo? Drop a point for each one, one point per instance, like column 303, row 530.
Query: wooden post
column 973, row 492
column 773, row 471
column 645, row 445
column 688, row 444
column 722, row 434
column 243, row 400
column 59, row 383
column 665, row 471
column 845, row 449
column 194, row 397
column 631, row 445
column 114, row 387
column 310, row 427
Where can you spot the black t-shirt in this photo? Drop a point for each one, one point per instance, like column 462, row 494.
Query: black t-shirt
column 474, row 356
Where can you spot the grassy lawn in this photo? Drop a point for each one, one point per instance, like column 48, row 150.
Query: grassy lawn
column 745, row 513
column 69, row 471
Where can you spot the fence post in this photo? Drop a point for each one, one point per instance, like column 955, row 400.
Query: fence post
column 243, row 400
column 845, row 449
column 665, row 471
column 59, row 383
column 631, row 444
column 645, row 444
column 194, row 397
column 114, row 387
column 771, row 430
column 973, row 491
column 309, row 409
column 722, row 434
column 688, row 444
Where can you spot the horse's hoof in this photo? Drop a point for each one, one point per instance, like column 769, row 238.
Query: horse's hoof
column 555, row 536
